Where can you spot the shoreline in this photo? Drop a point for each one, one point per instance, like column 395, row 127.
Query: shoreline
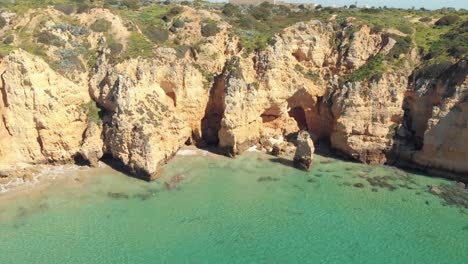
column 46, row 175
column 50, row 175
column 43, row 176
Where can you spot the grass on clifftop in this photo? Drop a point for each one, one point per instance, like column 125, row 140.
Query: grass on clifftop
column 256, row 25
column 138, row 46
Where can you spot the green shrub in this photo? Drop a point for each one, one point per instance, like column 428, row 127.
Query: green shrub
column 138, row 46
column 209, row 29
column 262, row 11
column 9, row 39
column 425, row 19
column 207, row 76
column 247, row 22
column 68, row 61
column 67, row 9
column 181, row 50
column 457, row 51
column 3, row 22
column 114, row 46
column 74, row 30
column 176, row 25
column 131, row 4
column 371, row 10
column 230, row 10
column 82, row 8
column 408, row 30
column 311, row 75
column 447, row 20
column 47, row 38
column 156, row 34
column 101, row 25
column 373, row 66
column 176, row 10
column 402, row 46
column 5, row 50
column 92, row 111
column 377, row 28
column 458, row 32
column 110, row 3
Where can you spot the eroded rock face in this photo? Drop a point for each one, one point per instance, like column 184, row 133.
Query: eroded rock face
column 92, row 147
column 152, row 109
column 304, row 155
column 434, row 131
column 366, row 115
column 217, row 95
column 42, row 117
column 240, row 126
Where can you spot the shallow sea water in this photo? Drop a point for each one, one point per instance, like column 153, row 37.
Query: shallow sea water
column 251, row 209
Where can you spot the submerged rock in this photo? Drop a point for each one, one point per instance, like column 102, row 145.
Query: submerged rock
column 435, row 190
column 358, row 185
column 267, row 179
column 304, row 152
column 117, row 195
column 381, row 182
column 172, row 183
column 455, row 194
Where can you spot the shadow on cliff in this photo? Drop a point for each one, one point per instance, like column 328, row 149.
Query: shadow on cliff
column 429, row 88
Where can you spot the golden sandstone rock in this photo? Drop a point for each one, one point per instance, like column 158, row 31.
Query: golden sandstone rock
column 152, row 106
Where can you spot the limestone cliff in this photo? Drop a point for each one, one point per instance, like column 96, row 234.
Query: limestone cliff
column 366, row 115
column 42, row 117
column 212, row 91
column 152, row 107
column 433, row 134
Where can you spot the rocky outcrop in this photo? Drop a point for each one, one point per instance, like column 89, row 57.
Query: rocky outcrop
column 92, row 146
column 212, row 92
column 240, row 126
column 303, row 157
column 152, row 107
column 41, row 112
column 366, row 115
column 433, row 134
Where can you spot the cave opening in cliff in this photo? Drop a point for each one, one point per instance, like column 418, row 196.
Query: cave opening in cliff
column 214, row 112
column 299, row 115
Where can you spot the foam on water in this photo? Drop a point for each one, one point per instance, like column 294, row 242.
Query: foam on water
column 253, row 149
column 252, row 209
column 192, row 152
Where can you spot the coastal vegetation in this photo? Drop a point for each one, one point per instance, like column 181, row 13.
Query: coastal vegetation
column 92, row 112
column 158, row 76
column 438, row 36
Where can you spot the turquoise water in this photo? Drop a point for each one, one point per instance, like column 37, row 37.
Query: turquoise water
column 244, row 210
